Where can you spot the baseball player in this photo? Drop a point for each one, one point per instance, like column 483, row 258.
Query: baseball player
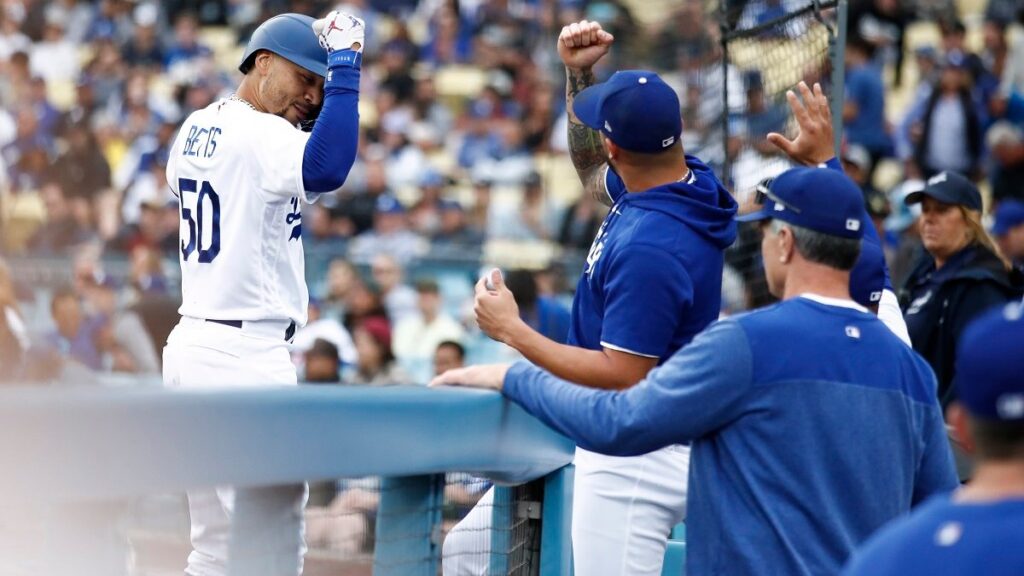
column 812, row 423
column 651, row 282
column 979, row 529
column 241, row 169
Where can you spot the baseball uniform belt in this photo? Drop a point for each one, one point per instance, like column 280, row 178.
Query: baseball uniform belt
column 288, row 332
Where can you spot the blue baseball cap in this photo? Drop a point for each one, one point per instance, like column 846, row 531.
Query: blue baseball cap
column 989, row 365
column 1009, row 215
column 635, row 109
column 819, row 199
column 950, row 188
column 867, row 279
column 387, row 204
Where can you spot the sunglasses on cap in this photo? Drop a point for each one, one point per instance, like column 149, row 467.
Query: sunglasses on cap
column 763, row 191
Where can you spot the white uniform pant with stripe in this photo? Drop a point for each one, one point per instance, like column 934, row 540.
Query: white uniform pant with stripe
column 259, row 529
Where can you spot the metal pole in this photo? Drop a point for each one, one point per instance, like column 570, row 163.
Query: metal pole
column 837, row 53
column 724, row 27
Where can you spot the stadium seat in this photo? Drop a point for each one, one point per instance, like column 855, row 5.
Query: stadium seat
column 675, row 559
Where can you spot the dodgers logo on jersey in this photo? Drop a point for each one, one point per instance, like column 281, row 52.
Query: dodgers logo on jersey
column 295, row 216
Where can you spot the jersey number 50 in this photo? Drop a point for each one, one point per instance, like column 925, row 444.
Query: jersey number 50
column 195, row 225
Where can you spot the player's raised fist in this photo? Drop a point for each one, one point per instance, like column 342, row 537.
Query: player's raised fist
column 582, row 44
column 340, row 31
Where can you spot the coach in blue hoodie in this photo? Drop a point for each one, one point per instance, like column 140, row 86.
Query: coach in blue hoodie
column 652, row 281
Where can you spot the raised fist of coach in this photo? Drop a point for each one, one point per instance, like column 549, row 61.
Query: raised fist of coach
column 340, row 31
column 582, row 44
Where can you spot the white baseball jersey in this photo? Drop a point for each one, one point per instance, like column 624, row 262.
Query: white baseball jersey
column 238, row 175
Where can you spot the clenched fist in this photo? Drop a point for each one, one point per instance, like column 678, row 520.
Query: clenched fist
column 582, row 44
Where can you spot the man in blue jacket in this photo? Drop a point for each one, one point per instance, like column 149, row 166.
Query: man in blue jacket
column 812, row 424
column 980, row 528
column 652, row 281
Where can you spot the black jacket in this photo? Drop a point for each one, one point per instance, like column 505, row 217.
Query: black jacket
column 938, row 305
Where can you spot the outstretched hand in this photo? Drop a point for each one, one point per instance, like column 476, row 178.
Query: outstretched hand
column 813, row 143
column 487, row 376
column 582, row 44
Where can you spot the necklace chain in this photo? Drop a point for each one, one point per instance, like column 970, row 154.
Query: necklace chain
column 238, row 98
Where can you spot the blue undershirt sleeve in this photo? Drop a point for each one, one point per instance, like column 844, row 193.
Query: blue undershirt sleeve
column 870, row 234
column 700, row 389
column 331, row 148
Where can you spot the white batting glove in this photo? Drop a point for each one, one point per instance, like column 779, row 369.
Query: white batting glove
column 340, row 31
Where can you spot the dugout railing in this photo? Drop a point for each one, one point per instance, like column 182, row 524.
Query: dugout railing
column 75, row 459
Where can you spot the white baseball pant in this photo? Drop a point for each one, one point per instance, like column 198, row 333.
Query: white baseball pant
column 259, row 529
column 623, row 512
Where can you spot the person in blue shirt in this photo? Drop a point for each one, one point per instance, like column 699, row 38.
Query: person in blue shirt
column 864, row 108
column 979, row 529
column 651, row 282
column 812, row 423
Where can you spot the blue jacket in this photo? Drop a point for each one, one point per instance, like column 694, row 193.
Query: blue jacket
column 653, row 277
column 946, row 538
column 812, row 426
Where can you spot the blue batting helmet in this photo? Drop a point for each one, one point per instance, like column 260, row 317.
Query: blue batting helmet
column 290, row 36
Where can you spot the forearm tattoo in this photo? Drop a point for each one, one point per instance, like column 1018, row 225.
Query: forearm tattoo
column 585, row 145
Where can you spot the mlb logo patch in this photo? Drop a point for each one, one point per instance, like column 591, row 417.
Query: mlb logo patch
column 852, row 224
column 607, row 126
column 875, row 296
column 1010, row 406
column 668, row 141
column 853, row 332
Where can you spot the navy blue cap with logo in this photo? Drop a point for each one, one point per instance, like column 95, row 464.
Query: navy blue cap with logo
column 635, row 109
column 818, row 199
column 1009, row 215
column 867, row 279
column 948, row 187
column 989, row 365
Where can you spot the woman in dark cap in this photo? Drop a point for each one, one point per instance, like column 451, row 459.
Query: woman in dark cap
column 961, row 274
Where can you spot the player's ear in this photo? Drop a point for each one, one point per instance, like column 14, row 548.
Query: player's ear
column 787, row 244
column 957, row 418
column 263, row 61
column 613, row 150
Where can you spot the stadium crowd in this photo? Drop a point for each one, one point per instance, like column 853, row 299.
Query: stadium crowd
column 463, row 161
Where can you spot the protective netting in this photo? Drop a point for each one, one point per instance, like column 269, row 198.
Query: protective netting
column 767, row 48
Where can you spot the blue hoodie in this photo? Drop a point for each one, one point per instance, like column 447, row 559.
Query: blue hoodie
column 653, row 277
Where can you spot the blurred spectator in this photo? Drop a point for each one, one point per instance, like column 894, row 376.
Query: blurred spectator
column 684, row 37
column 390, row 235
column 534, row 218
column 928, row 70
column 540, row 312
column 341, row 278
column 1008, row 230
column 902, row 232
column 65, row 226
column 362, row 303
column 323, row 328
column 322, row 363
column 961, row 275
column 480, row 140
column 856, row 163
column 122, row 340
column 357, row 207
column 883, row 24
column 455, row 231
column 82, row 168
column 147, row 272
column 143, row 49
column 376, row 362
column 185, row 46
column 949, row 136
column 12, row 40
column 1006, row 144
column 954, row 45
column 75, row 336
column 864, row 107
column 449, row 355
column 762, row 116
column 14, row 340
column 416, row 338
column 153, row 229
column 580, row 223
column 425, row 214
column 55, row 58
column 399, row 298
